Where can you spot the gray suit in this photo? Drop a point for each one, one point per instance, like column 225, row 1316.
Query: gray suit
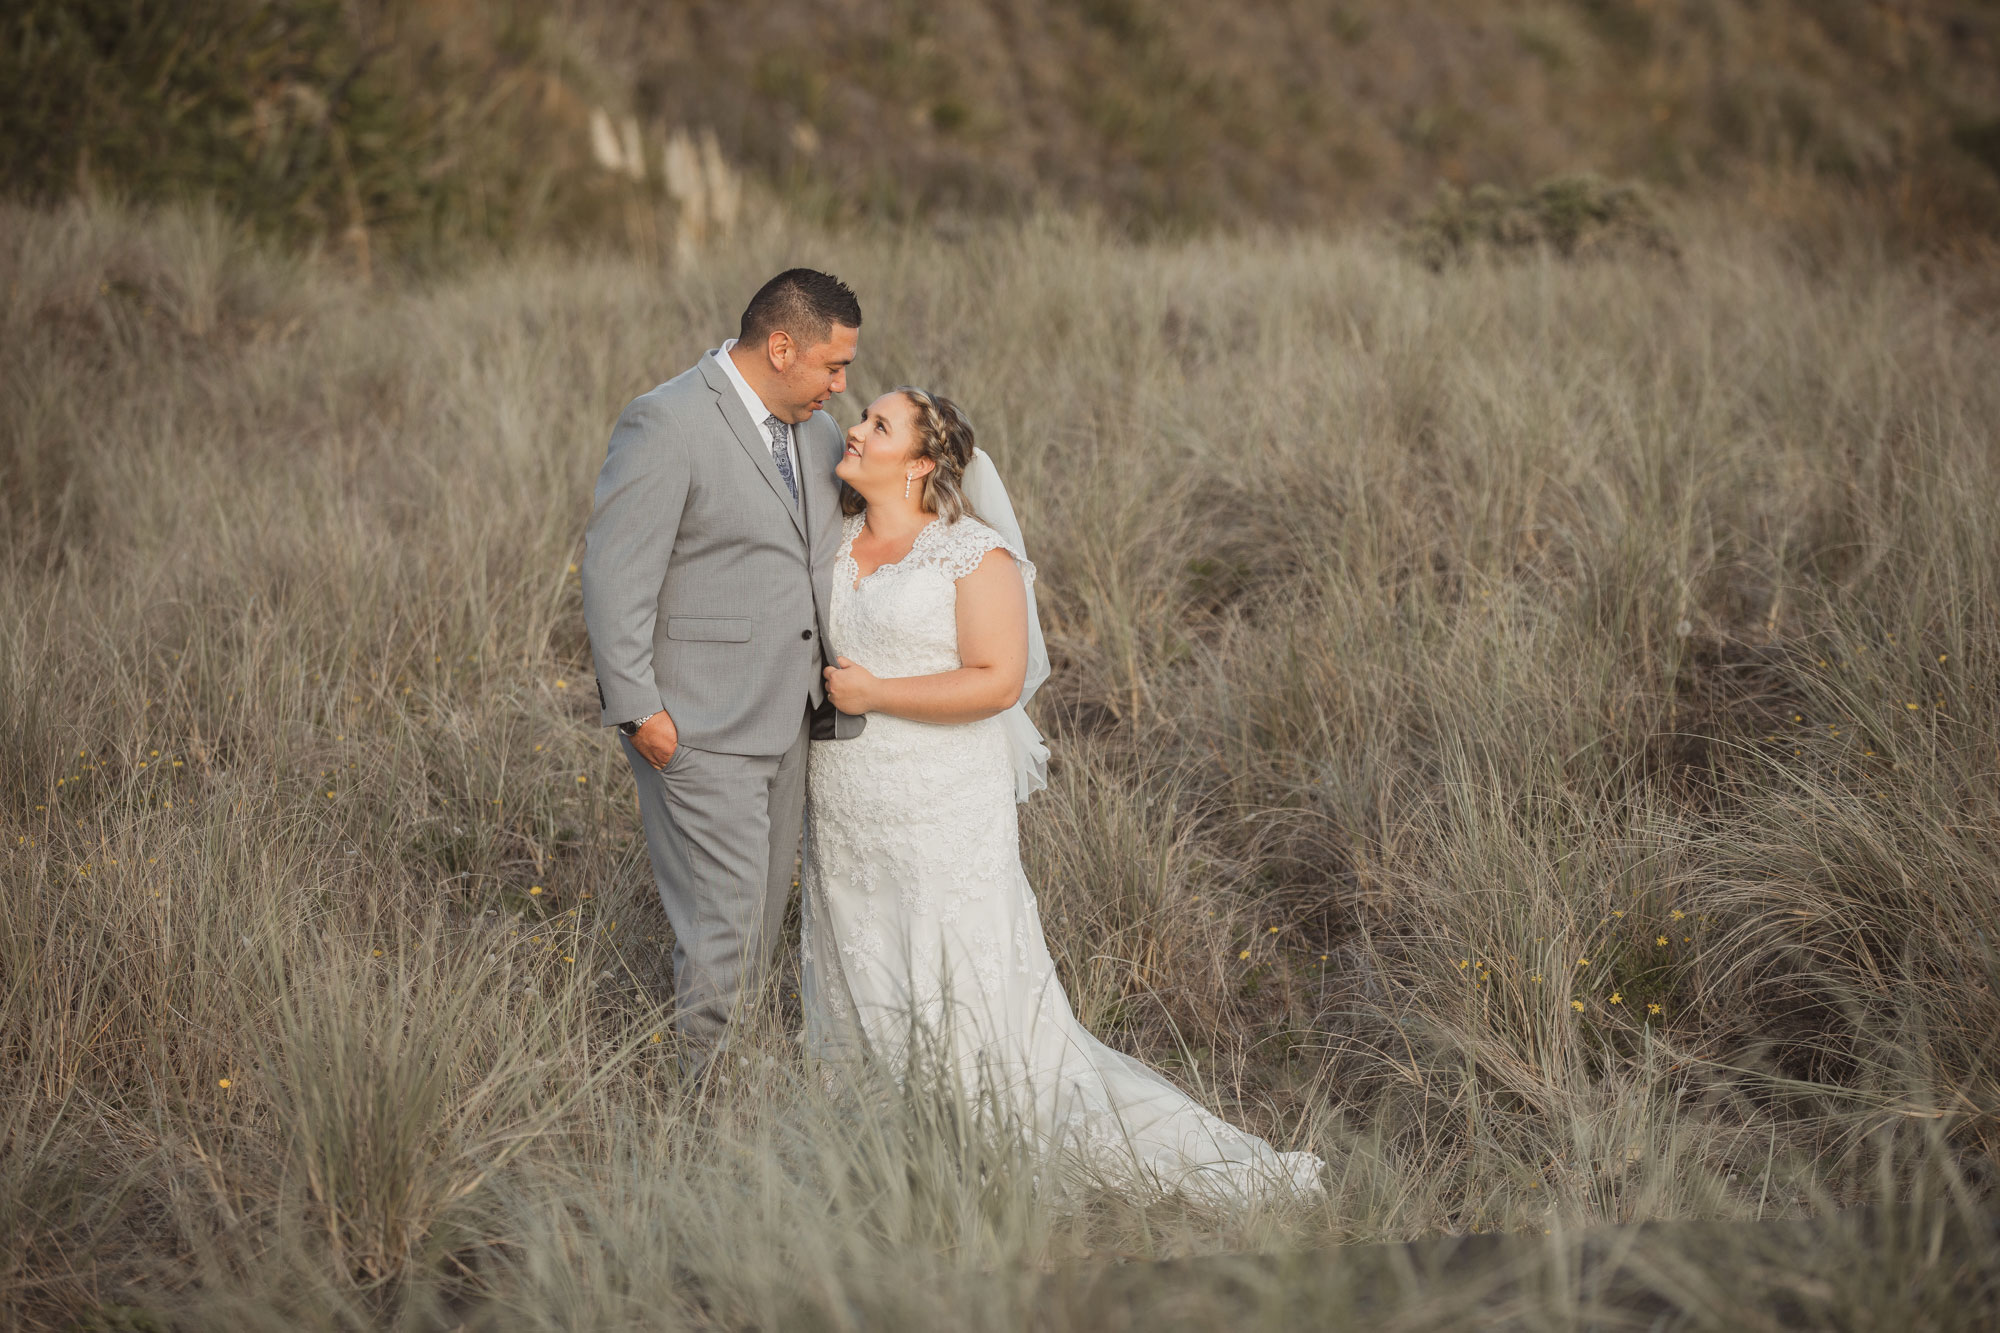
column 706, row 592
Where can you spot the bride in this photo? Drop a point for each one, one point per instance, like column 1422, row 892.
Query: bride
column 917, row 916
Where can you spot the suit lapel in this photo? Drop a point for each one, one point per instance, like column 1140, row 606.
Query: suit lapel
column 752, row 439
column 821, row 485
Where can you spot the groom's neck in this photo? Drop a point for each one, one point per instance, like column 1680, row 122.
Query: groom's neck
column 755, row 368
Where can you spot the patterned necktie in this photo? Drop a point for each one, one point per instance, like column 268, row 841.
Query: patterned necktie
column 781, row 435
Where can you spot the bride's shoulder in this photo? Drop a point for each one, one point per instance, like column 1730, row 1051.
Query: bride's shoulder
column 960, row 545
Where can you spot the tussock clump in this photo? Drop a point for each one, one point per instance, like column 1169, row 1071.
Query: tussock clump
column 1575, row 217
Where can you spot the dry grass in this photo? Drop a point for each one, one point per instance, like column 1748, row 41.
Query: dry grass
column 1418, row 636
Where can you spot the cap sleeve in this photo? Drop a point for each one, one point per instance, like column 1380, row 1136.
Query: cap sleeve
column 959, row 548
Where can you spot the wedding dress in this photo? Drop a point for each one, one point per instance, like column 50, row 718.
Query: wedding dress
column 918, row 918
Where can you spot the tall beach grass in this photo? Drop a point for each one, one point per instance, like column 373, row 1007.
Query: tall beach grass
column 1526, row 732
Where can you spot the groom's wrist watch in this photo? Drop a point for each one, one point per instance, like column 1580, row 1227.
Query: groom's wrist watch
column 632, row 728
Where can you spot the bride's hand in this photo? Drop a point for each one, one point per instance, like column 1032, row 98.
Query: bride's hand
column 851, row 687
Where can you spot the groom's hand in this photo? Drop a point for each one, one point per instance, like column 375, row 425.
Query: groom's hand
column 657, row 740
column 849, row 686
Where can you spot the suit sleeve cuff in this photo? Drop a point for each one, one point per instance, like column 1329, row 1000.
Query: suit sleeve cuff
column 625, row 705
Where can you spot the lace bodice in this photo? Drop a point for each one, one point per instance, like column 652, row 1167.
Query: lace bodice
column 903, row 618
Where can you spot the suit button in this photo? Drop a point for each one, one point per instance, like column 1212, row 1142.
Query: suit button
column 805, row 634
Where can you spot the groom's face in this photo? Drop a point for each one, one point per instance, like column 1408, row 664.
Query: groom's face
column 809, row 375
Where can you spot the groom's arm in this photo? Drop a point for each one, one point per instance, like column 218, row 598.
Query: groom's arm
column 635, row 515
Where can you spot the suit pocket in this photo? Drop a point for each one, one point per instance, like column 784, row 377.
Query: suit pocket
column 700, row 629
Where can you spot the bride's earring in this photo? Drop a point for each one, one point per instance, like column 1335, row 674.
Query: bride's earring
column 907, row 479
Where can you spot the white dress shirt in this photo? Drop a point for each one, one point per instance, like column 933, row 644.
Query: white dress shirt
column 755, row 407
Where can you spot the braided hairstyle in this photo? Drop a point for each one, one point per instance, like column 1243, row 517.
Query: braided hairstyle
column 945, row 437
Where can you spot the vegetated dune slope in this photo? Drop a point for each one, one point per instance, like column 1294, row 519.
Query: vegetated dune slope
column 444, row 121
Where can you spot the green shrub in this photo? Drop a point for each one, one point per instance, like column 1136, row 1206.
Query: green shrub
column 278, row 108
column 1577, row 217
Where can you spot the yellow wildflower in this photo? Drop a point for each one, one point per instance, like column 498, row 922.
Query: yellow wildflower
column 1576, row 1005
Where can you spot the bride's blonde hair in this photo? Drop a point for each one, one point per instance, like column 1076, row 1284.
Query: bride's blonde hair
column 944, row 435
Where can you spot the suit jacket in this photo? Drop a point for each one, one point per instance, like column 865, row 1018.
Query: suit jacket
column 706, row 591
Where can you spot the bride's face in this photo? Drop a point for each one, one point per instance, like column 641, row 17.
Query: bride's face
column 879, row 448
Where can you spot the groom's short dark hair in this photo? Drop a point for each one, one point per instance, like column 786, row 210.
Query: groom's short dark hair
column 804, row 303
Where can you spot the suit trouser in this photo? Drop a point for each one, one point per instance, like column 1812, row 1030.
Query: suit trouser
column 722, row 831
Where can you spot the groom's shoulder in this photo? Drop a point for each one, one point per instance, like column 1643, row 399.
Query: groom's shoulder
column 681, row 391
column 663, row 403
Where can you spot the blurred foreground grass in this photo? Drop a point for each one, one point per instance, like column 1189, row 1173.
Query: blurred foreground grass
column 1527, row 732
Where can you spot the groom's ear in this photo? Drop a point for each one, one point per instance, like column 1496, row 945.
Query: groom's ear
column 780, row 349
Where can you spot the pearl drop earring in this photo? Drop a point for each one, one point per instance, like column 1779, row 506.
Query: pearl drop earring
column 908, row 477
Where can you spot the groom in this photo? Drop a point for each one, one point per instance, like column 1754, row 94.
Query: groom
column 706, row 578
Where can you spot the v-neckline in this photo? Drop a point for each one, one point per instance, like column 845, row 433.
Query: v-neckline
column 859, row 577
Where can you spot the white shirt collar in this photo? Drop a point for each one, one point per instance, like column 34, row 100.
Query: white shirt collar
column 751, row 402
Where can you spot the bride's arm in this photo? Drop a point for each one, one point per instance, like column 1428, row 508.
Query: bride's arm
column 992, row 645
